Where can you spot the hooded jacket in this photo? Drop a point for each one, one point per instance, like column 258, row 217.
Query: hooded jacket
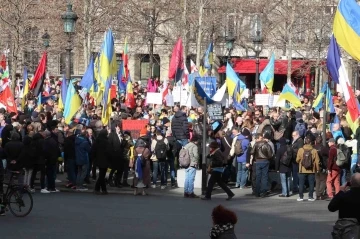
column 82, row 150
column 180, row 126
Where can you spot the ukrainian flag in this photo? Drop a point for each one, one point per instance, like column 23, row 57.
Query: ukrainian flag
column 239, row 89
column 289, row 95
column 346, row 27
column 231, row 79
column 107, row 109
column 267, row 75
column 208, row 59
column 318, row 103
column 72, row 104
column 107, row 60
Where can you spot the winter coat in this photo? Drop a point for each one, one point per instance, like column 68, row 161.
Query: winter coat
column 216, row 159
column 82, row 150
column 12, row 152
column 296, row 145
column 100, row 149
column 278, row 165
column 347, row 203
column 331, row 165
column 146, row 169
column 5, row 134
column 154, row 142
column 261, row 153
column 315, row 158
column 28, row 153
column 38, row 141
column 194, row 154
column 323, row 152
column 69, row 147
column 116, row 150
column 226, row 142
column 51, row 151
column 180, row 126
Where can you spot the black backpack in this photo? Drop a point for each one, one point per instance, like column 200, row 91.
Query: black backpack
column 307, row 161
column 160, row 149
column 287, row 156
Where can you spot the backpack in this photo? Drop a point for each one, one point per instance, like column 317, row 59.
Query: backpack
column 307, row 161
column 140, row 143
column 184, row 158
column 160, row 149
column 238, row 147
column 287, row 156
column 300, row 127
column 341, row 159
column 346, row 228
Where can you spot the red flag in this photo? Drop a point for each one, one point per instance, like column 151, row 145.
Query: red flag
column 176, row 67
column 3, row 62
column 113, row 92
column 39, row 73
column 129, row 99
column 7, row 99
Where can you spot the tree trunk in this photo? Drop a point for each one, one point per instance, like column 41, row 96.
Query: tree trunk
column 86, row 32
column 151, row 41
column 199, row 35
column 290, row 41
column 185, row 30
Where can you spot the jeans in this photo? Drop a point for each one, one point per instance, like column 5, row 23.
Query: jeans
column 354, row 159
column 71, row 168
column 50, row 176
column 262, row 172
column 82, row 172
column 183, row 142
column 295, row 175
column 190, row 173
column 215, row 177
column 156, row 166
column 242, row 175
column 285, row 183
column 100, row 183
column 171, row 163
column 343, row 177
column 41, row 168
column 311, row 178
column 333, row 179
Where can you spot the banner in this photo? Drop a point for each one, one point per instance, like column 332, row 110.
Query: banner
column 134, row 126
column 269, row 100
column 154, row 98
column 208, row 83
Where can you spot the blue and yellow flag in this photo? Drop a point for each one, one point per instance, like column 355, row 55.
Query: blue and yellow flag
column 346, row 27
column 72, row 104
column 107, row 109
column 88, row 79
column 267, row 75
column 318, row 102
column 289, row 95
column 200, row 94
column 239, row 89
column 208, row 59
column 231, row 79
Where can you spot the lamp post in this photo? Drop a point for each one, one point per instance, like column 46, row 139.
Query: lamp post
column 257, row 40
column 69, row 18
column 230, row 39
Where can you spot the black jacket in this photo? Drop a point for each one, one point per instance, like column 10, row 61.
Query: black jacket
column 347, row 203
column 28, row 153
column 261, row 151
column 5, row 134
column 323, row 152
column 69, row 147
column 216, row 159
column 51, row 151
column 100, row 149
column 38, row 141
column 289, row 129
column 116, row 150
column 299, row 143
column 278, row 165
column 226, row 142
column 180, row 126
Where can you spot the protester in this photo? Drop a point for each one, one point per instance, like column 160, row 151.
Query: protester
column 101, row 161
column 283, row 166
column 333, row 171
column 82, row 151
column 297, row 143
column 159, row 149
column 190, row 172
column 224, row 222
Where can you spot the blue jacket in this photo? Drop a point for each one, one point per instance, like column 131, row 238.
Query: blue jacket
column 82, row 150
column 245, row 144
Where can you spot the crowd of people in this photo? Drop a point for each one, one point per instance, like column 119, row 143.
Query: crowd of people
column 248, row 144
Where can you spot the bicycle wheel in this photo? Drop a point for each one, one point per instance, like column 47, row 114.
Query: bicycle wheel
column 20, row 202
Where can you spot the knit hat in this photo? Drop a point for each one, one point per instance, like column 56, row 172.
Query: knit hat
column 143, row 132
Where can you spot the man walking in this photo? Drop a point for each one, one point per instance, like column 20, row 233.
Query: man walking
column 308, row 160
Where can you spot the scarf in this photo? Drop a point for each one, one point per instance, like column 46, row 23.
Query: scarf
column 217, row 230
column 138, row 168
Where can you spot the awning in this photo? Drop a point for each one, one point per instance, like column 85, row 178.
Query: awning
column 248, row 66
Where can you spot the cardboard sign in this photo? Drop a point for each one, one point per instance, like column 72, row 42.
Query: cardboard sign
column 134, row 126
column 262, row 99
column 215, row 112
column 154, row 98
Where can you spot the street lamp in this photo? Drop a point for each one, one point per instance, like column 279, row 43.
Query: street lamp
column 230, row 39
column 69, row 18
column 257, row 40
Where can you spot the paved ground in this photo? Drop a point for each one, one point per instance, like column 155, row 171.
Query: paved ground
column 84, row 215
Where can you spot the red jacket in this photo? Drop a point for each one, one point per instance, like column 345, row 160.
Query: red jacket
column 331, row 165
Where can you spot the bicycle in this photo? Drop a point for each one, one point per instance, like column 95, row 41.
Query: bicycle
column 17, row 198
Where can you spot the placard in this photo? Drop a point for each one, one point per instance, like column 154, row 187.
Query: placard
column 261, row 99
column 154, row 98
column 180, row 94
column 215, row 112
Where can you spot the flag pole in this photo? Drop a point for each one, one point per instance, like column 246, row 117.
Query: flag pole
column 204, row 166
column 324, row 117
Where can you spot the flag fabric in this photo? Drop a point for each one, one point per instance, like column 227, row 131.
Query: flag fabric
column 64, row 89
column 200, row 94
column 122, row 82
column 318, row 102
column 231, row 79
column 88, row 78
column 25, row 92
column 129, row 98
column 107, row 60
column 267, row 75
column 72, row 103
column 289, row 95
column 107, row 109
column 165, row 90
column 203, row 71
column 339, row 75
column 3, row 63
column 7, row 99
column 39, row 76
column 208, row 59
column 193, row 67
column 185, row 79
column 125, row 62
column 330, row 104
column 346, row 27
column 176, row 66
column 239, row 89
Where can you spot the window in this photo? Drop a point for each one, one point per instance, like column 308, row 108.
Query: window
column 63, row 63
column 119, row 59
column 31, row 34
column 145, row 72
column 31, row 60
